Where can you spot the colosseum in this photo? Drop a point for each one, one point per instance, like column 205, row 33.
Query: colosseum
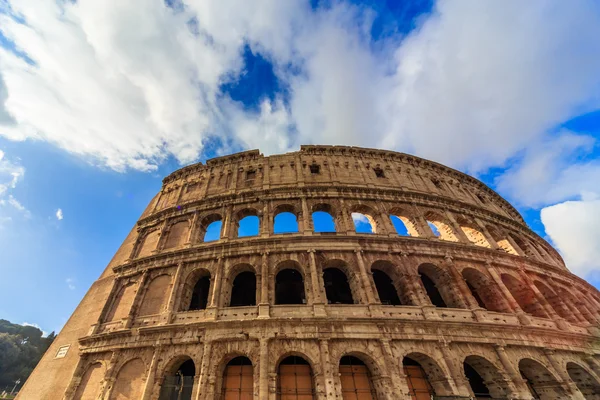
column 247, row 277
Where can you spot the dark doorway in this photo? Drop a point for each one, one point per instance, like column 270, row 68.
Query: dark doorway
column 295, row 380
column 385, row 288
column 337, row 288
column 200, row 294
column 416, row 378
column 357, row 383
column 432, row 292
column 243, row 292
column 476, row 295
column 478, row 386
column 289, row 287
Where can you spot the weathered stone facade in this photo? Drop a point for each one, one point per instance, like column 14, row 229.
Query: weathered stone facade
column 487, row 295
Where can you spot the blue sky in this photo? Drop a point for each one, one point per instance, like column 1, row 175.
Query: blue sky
column 93, row 113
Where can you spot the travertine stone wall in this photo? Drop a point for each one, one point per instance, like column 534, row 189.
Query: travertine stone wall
column 513, row 308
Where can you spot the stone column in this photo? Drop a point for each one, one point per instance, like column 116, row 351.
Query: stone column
column 263, row 305
column 398, row 380
column 523, row 318
column 173, row 295
column 464, row 290
column 460, row 381
column 318, row 301
column 346, row 220
column 136, row 300
column 460, row 234
column 108, row 305
column 549, row 310
column 570, row 386
column 328, row 373
column 203, row 384
column 306, row 218
column 266, row 221
column 109, row 377
column 366, row 281
column 263, row 375
column 487, row 234
column 228, row 230
column 216, row 292
column 151, row 375
column 193, row 228
column 521, row 390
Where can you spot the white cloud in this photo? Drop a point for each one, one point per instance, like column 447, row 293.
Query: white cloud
column 59, row 214
column 477, row 83
column 360, row 218
column 573, row 228
column 70, row 283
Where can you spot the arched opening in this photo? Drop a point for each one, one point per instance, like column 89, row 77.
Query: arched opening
column 155, row 295
column 199, row 299
column 473, row 233
column 431, row 288
column 524, row 296
column 295, row 380
column 238, row 380
column 555, row 301
column 243, row 291
column 524, row 246
column 419, row 387
column 213, row 231
column 337, row 288
column 501, row 240
column 363, row 223
column 322, row 217
column 209, row 228
column 249, row 226
column 356, row 380
column 440, row 227
column 483, row 289
column 404, row 226
column 178, row 383
column 478, row 386
column 541, row 383
column 385, row 288
column 586, row 383
column 285, row 221
column 91, row 383
column 289, row 287
column 485, row 380
column 129, row 382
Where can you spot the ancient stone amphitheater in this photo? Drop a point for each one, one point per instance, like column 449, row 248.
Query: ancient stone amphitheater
column 443, row 293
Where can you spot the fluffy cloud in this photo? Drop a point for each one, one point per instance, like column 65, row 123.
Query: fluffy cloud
column 70, row 283
column 573, row 227
column 475, row 84
column 59, row 214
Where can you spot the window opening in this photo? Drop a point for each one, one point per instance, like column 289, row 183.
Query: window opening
column 238, row 380
column 379, row 172
column 363, row 223
column 243, row 292
column 295, row 380
column 478, row 386
column 323, row 222
column 315, row 168
column 285, row 222
column 248, row 226
column 289, row 287
column 250, row 175
column 213, row 231
column 432, row 292
column 199, row 299
column 418, row 383
column 385, row 288
column 356, row 380
column 337, row 288
column 403, row 226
